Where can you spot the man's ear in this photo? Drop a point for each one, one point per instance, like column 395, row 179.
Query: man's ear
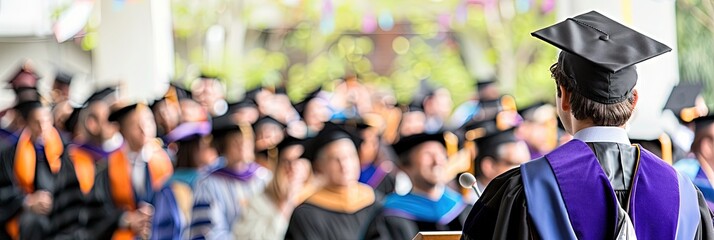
column 636, row 97
column 564, row 99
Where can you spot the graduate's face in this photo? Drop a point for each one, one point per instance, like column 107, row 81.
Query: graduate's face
column 97, row 123
column 428, row 164
column 268, row 135
column 293, row 171
column 338, row 163
column 240, row 148
column 166, row 116
column 131, row 129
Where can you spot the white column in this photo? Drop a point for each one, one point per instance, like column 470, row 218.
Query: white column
column 657, row 76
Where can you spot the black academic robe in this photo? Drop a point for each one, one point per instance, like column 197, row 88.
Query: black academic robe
column 504, row 213
column 63, row 222
column 101, row 211
column 313, row 222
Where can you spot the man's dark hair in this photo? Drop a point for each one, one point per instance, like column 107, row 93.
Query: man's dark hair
column 601, row 114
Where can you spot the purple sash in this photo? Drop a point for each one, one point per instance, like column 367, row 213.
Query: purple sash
column 240, row 176
column 591, row 203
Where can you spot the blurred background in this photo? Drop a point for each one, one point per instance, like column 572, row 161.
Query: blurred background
column 304, row 44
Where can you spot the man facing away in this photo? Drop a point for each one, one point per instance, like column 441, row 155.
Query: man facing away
column 597, row 186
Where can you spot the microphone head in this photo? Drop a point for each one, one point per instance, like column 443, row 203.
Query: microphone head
column 467, row 180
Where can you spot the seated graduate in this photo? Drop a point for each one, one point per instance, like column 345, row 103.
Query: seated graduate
column 698, row 168
column 195, row 156
column 219, row 196
column 267, row 214
column 598, row 185
column 498, row 149
column 342, row 208
column 39, row 192
column 133, row 175
column 101, row 138
column 376, row 158
column 430, row 205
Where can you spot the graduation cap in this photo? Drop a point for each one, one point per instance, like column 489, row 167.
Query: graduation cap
column 330, row 133
column 188, row 131
column 405, row 144
column 173, row 93
column 537, row 112
column 119, row 114
column 599, row 54
column 63, row 77
column 683, row 99
column 224, row 124
column 100, row 95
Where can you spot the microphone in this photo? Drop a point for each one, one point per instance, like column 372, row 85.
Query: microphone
column 467, row 180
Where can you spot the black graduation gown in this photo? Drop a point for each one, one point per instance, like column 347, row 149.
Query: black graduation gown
column 63, row 222
column 312, row 222
column 100, row 212
column 504, row 212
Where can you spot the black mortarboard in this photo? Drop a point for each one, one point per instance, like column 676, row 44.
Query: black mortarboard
column 599, row 54
column 405, row 144
column 119, row 114
column 683, row 97
column 330, row 133
column 488, row 145
column 175, row 93
column 537, row 112
column 63, row 77
column 100, row 95
column 223, row 125
column 703, row 122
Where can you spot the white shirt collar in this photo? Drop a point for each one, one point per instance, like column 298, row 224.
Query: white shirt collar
column 603, row 134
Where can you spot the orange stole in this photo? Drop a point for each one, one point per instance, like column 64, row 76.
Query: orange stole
column 160, row 169
column 84, row 168
column 26, row 161
column 25, row 165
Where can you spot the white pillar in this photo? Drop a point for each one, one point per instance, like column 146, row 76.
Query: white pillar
column 135, row 46
column 657, row 76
